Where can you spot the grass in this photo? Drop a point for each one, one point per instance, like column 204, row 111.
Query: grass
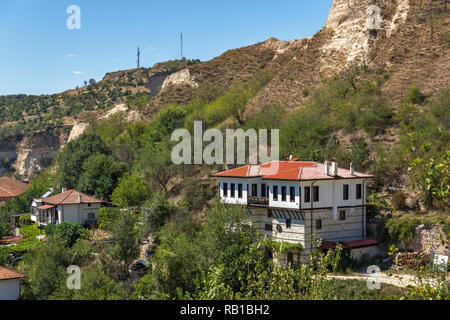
column 358, row 290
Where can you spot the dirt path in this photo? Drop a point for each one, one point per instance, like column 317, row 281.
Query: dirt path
column 395, row 280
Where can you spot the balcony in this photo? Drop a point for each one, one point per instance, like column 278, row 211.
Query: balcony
column 258, row 201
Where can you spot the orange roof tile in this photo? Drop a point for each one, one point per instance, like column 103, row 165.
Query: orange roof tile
column 70, row 197
column 46, row 207
column 6, row 274
column 10, row 188
column 289, row 170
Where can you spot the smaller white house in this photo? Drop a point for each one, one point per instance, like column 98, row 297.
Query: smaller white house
column 10, row 284
column 68, row 206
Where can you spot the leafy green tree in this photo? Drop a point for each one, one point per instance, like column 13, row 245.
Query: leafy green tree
column 68, row 232
column 72, row 157
column 131, row 191
column 107, row 217
column 432, row 178
column 126, row 238
column 156, row 212
column 155, row 162
column 100, row 175
column 95, row 286
column 45, row 268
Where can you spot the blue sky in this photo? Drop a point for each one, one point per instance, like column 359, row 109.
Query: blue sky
column 40, row 55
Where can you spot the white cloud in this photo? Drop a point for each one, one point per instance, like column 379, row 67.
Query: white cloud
column 71, row 55
column 77, row 72
column 151, row 48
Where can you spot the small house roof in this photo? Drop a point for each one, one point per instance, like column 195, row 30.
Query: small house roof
column 6, row 274
column 70, row 197
column 10, row 187
column 292, row 170
column 46, row 207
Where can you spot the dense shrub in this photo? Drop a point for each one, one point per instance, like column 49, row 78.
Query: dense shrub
column 398, row 200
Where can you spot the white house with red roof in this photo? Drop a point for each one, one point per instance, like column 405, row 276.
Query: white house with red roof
column 292, row 200
column 68, row 206
column 9, row 284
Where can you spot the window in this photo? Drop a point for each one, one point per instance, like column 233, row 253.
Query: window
column 269, row 227
column 342, row 215
column 275, row 193
column 240, row 191
column 233, row 190
column 318, row 224
column 254, row 190
column 225, row 190
column 263, row 190
column 288, row 223
column 89, row 205
column 292, row 192
column 269, row 214
column 316, row 194
column 307, row 194
column 91, row 215
column 345, row 192
column 359, row 191
column 283, row 193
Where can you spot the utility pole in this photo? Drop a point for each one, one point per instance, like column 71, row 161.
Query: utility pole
column 138, row 58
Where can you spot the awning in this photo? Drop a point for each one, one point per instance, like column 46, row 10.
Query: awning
column 46, row 207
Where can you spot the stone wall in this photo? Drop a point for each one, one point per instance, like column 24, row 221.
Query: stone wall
column 430, row 239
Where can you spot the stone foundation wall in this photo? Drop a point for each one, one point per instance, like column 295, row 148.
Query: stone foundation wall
column 430, row 239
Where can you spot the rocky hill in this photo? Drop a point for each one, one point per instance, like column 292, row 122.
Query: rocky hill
column 402, row 41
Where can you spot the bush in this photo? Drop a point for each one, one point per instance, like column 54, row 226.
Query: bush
column 25, row 220
column 68, row 232
column 107, row 217
column 131, row 191
column 398, row 200
column 414, row 95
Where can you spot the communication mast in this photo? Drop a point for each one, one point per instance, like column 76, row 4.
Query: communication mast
column 182, row 46
column 138, row 58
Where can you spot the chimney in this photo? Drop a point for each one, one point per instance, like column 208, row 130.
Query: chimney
column 63, row 190
column 290, row 157
column 334, row 168
column 326, row 169
column 79, row 198
column 352, row 169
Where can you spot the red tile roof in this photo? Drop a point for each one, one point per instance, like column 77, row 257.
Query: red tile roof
column 10, row 188
column 289, row 170
column 11, row 240
column 6, row 274
column 46, row 207
column 70, row 197
column 362, row 243
column 326, row 245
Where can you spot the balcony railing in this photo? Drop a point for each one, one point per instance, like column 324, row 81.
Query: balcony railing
column 258, row 201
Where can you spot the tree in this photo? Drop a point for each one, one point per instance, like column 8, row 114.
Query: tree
column 131, row 191
column 45, row 268
column 432, row 178
column 100, row 175
column 68, row 232
column 107, row 217
column 156, row 164
column 126, row 241
column 92, row 81
column 72, row 157
column 156, row 212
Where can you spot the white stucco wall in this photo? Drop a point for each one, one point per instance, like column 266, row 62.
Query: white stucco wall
column 10, row 289
column 78, row 213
